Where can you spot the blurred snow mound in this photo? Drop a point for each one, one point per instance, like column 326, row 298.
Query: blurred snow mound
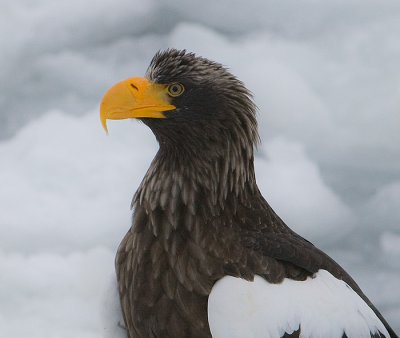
column 383, row 209
column 293, row 185
column 52, row 295
column 390, row 243
column 71, row 182
column 112, row 319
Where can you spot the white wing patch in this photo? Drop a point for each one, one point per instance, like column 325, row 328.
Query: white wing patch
column 323, row 306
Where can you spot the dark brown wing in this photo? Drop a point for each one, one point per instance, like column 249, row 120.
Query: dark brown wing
column 291, row 248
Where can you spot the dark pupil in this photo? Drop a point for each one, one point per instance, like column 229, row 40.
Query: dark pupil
column 175, row 89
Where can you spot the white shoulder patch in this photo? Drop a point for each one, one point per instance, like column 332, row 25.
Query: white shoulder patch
column 322, row 306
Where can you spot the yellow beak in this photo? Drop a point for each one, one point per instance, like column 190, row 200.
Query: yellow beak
column 134, row 98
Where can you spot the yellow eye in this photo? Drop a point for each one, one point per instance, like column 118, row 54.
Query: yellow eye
column 175, row 89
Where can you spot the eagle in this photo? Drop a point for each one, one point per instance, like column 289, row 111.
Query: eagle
column 206, row 255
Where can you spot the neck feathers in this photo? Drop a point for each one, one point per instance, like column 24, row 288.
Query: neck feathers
column 204, row 184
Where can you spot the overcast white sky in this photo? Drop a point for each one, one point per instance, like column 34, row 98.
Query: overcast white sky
column 325, row 77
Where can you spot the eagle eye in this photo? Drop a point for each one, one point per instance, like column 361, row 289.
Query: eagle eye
column 175, row 89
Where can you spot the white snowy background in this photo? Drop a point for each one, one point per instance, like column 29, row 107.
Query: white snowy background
column 326, row 78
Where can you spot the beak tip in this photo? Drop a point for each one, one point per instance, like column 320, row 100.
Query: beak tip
column 104, row 123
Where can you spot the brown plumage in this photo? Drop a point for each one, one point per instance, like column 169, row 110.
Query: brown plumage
column 198, row 214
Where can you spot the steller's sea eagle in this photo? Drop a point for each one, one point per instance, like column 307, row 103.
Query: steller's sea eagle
column 206, row 256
